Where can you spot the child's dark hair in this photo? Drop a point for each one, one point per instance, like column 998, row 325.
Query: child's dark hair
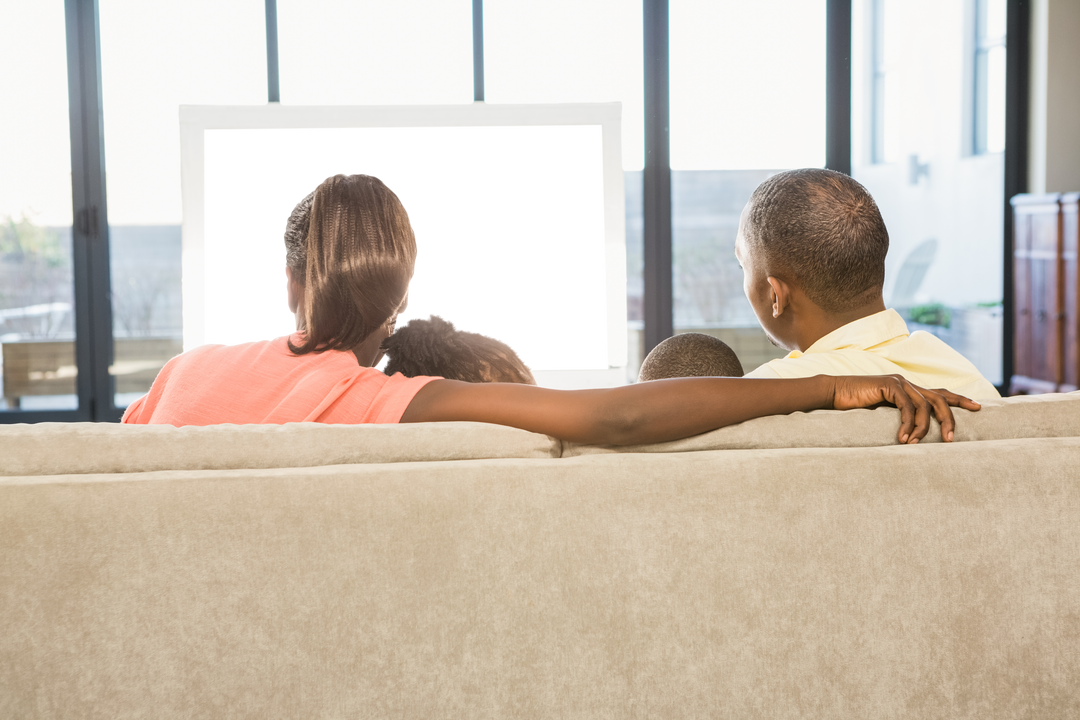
column 435, row 347
column 690, row 355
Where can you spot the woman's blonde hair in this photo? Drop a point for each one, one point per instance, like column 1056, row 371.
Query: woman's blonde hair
column 358, row 259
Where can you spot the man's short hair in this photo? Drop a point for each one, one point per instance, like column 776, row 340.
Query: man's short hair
column 690, row 355
column 435, row 347
column 825, row 230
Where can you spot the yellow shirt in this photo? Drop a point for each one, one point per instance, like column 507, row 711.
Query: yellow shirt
column 880, row 344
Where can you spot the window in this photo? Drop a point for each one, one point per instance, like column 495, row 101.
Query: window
column 213, row 53
column 943, row 207
column 372, row 52
column 884, row 135
column 533, row 54
column 729, row 132
column 37, row 325
column 989, row 76
column 85, row 325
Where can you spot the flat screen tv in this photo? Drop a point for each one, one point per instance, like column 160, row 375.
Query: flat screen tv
column 518, row 213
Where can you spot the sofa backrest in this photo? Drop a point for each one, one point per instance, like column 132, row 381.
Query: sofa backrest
column 1027, row 416
column 82, row 448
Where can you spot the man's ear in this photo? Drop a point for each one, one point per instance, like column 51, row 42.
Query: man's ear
column 295, row 290
column 780, row 295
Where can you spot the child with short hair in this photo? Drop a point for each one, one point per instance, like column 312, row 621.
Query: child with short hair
column 433, row 347
column 690, row 355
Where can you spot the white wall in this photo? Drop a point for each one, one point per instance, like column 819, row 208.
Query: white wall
column 1054, row 129
column 960, row 203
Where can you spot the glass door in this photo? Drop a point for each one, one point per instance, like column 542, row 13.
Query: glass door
column 747, row 101
column 38, row 369
column 928, row 134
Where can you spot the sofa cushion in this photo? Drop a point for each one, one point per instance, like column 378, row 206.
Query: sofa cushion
column 79, row 448
column 1026, row 416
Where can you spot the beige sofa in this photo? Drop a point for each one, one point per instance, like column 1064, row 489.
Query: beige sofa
column 799, row 566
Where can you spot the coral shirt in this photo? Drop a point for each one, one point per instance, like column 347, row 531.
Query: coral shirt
column 264, row 382
column 880, row 344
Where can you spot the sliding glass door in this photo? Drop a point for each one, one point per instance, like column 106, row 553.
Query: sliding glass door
column 38, row 369
column 747, row 100
column 928, row 134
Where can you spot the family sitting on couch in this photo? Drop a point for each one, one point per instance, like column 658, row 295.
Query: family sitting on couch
column 812, row 245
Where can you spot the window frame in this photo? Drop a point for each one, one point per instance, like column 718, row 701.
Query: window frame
column 90, row 234
column 880, row 75
column 982, row 45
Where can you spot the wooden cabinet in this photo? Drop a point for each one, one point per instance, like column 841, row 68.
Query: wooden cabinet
column 1046, row 304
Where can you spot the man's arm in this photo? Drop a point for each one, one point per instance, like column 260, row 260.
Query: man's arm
column 671, row 409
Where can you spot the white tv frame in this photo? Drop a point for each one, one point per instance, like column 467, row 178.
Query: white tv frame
column 196, row 119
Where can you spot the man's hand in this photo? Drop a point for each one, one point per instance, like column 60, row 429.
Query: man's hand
column 916, row 404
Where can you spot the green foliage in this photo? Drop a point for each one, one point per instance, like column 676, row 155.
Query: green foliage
column 35, row 269
column 24, row 242
column 931, row 314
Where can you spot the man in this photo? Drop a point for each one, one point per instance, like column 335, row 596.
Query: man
column 812, row 247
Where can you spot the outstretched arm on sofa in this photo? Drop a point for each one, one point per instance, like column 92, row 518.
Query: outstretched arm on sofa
column 671, row 409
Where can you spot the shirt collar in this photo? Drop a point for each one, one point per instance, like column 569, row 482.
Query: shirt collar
column 881, row 328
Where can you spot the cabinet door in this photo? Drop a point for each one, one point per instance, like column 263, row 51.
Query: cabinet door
column 1037, row 293
column 1070, row 236
column 1022, row 365
column 1046, row 318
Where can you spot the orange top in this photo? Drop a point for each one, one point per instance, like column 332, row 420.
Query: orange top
column 264, row 382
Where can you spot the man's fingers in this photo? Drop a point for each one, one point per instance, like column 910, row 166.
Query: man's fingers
column 943, row 411
column 917, row 405
column 899, row 398
column 922, row 413
column 940, row 401
column 958, row 400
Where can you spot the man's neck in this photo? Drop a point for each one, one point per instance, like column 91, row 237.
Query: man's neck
column 821, row 324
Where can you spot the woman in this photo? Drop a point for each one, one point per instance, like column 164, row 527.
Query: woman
column 348, row 271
